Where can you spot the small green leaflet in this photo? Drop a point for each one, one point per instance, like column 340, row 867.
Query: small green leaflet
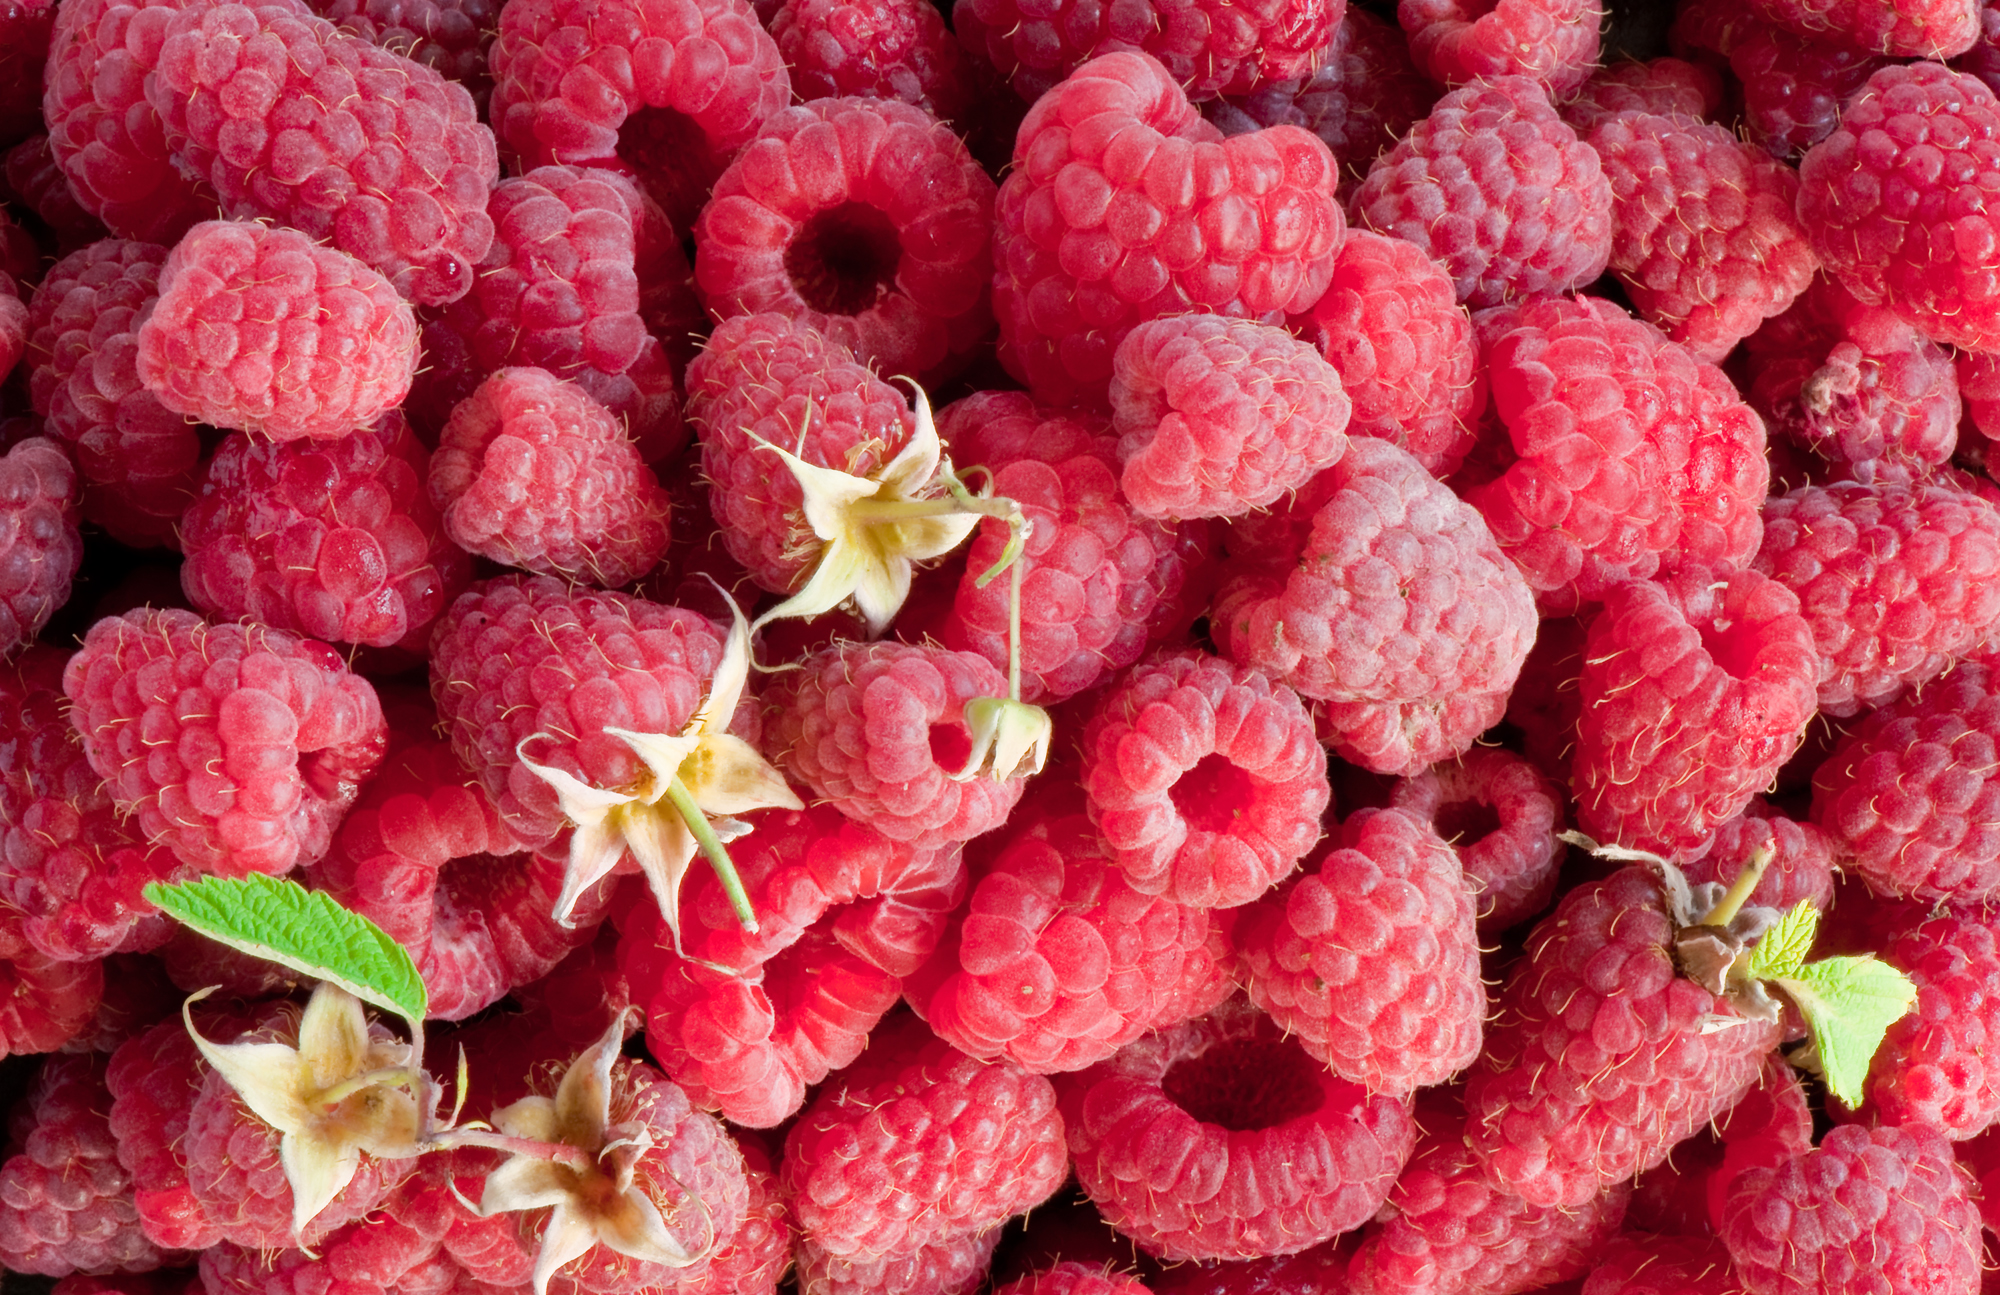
column 1848, row 1003
column 1782, row 950
column 283, row 922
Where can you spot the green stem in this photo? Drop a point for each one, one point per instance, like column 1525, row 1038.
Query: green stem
column 1014, row 635
column 711, row 846
column 1746, row 881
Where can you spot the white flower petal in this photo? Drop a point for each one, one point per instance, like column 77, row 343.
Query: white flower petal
column 665, row 848
column 581, row 803
column 533, row 1118
column 594, row 850
column 880, row 590
column 333, row 1035
column 840, row 568
column 525, row 1183
column 271, row 1078
column 664, row 755
column 827, row 492
column 632, row 1226
column 734, row 778
column 916, row 463
column 317, row 1167
column 569, row 1236
column 583, row 1099
column 725, row 691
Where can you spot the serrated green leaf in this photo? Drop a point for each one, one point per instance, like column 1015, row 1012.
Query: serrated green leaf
column 1782, row 950
column 1849, row 1004
column 283, row 922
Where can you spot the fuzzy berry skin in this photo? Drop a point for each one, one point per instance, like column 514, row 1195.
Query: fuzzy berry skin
column 1073, row 1278
column 153, row 1079
column 883, row 49
column 955, row 1265
column 1208, row 48
column 624, row 663
column 1930, row 1068
column 1370, row 959
column 1648, row 1264
column 918, row 1146
column 865, row 219
column 1501, row 815
column 1204, row 779
column 44, row 1003
column 1930, row 29
column 1102, row 223
column 1391, row 326
column 1218, row 416
column 38, row 184
column 1881, row 1201
column 756, row 1256
column 1704, row 235
column 26, row 26
column 331, row 539
column 1551, row 42
column 1665, row 464
column 1884, row 203
column 665, row 89
column 395, row 173
column 1896, row 580
column 1376, row 551
column 1597, row 1063
column 878, row 729
column 450, row 36
column 40, row 545
column 533, row 473
column 1669, row 86
column 1220, row 1139
column 238, row 746
column 1683, row 1195
column 1498, row 189
column 377, row 1256
column 260, row 329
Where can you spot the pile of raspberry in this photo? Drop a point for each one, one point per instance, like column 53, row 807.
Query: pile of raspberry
column 1424, row 447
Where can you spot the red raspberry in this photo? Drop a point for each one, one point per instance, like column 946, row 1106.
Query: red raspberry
column 65, row 1202
column 238, row 746
column 1644, row 1264
column 38, row 183
column 1793, row 88
column 1551, row 42
column 1683, row 1194
column 153, row 1080
column 332, row 539
column 1498, row 188
column 1369, row 960
column 44, row 1003
column 110, row 141
column 532, row 472
column 26, row 27
column 395, row 173
column 1103, row 224
column 1375, row 551
column 1390, row 324
column 1930, row 1068
column 1666, row 85
column 1207, row 48
column 665, row 89
column 878, row 730
column 865, row 219
column 1319, row 1270
column 377, row 1256
column 1661, row 463
column 1979, row 388
column 1073, row 1278
column 261, row 329
column 1219, row 416
column 1931, row 29
column 1501, row 815
column 450, row 36
column 1896, row 580
column 882, row 49
column 954, row 1266
column 1221, row 1139
column 1883, row 201
column 1801, row 866
column 40, row 546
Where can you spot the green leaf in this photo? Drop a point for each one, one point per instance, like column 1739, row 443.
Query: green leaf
column 1849, row 1004
column 283, row 922
column 1782, row 950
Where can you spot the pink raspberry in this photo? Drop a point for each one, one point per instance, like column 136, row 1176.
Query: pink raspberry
column 1664, row 466
column 1369, row 960
column 1665, row 85
column 1221, row 1139
column 1102, row 224
column 668, row 90
column 153, row 1079
column 1551, row 42
column 1643, row 1264
column 331, row 539
column 1929, row 29
column 753, row 1258
column 865, row 219
column 1390, row 324
column 450, row 36
column 1889, row 213
column 40, row 546
column 1794, row 88
column 1801, row 866
column 878, row 730
column 955, row 1265
column 1499, row 189
column 1375, row 552
column 395, row 173
column 881, row 49
column 261, row 329
column 38, row 183
column 1206, row 47
column 1501, row 815
column 237, row 745
column 1219, row 416
column 1072, row 1278
column 44, row 1003
column 1979, row 390
column 26, row 27
column 381, row 1255
column 1683, row 1195
column 532, row 472
column 1931, row 1067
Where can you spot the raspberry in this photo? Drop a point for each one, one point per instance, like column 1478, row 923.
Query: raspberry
column 65, row 1202
column 380, row 1254
column 109, row 140
column 1208, row 48
column 864, row 219
column 26, row 27
column 1930, row 1068
column 1880, row 1201
column 38, row 183
column 954, row 1266
column 395, row 173
column 260, row 329
column 753, row 1258
column 917, row 1144
column 40, row 546
column 1896, row 581
column 883, row 49
column 1499, row 189
column 665, row 89
column 1501, row 816
column 1683, row 1195
column 1551, row 42
column 1074, row 1279
column 1390, row 324
column 1801, row 866
column 1221, row 1139
column 1666, row 85
column 238, row 746
column 1640, row 1264
column 1220, row 416
column 332, row 539
column 1103, row 225
column 1703, row 232
column 44, row 1003
column 532, row 472
column 1369, row 960
column 1665, row 465
column 1932, row 29
column 1374, row 551
column 1793, row 88
column 878, row 730
column 450, row 36
column 1883, row 203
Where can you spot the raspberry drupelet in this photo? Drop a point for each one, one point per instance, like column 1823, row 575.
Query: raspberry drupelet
column 1501, row 815
column 954, row 1266
column 1668, row 86
column 883, row 49
column 1551, row 42
column 40, row 545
